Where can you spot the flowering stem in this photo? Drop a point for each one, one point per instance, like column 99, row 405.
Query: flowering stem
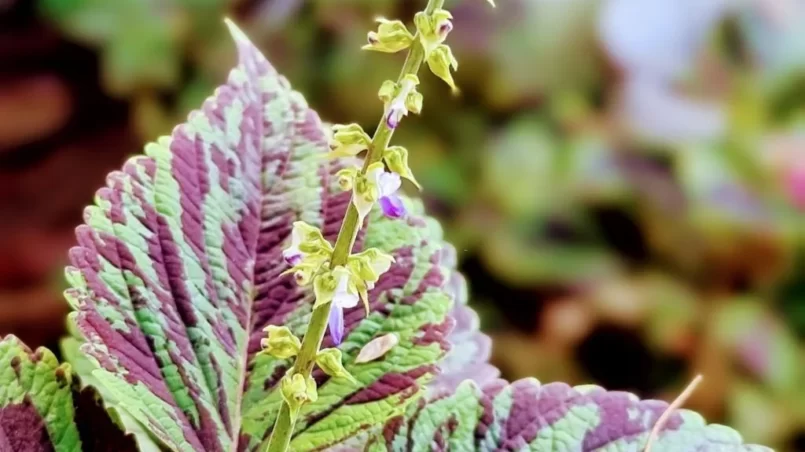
column 283, row 428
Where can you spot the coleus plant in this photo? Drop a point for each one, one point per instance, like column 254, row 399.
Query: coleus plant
column 203, row 263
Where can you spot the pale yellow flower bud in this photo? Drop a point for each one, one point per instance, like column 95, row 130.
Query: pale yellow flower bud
column 440, row 62
column 391, row 37
column 280, row 343
column 329, row 360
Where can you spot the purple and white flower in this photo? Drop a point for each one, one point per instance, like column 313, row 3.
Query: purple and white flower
column 433, row 28
column 406, row 98
column 395, row 113
column 443, row 27
column 387, row 185
column 307, row 247
column 343, row 298
column 293, row 255
column 378, row 185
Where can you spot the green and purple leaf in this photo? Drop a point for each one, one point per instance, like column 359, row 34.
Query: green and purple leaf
column 36, row 403
column 42, row 408
column 528, row 416
column 178, row 270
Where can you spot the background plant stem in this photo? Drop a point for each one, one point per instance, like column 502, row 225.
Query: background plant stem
column 283, row 428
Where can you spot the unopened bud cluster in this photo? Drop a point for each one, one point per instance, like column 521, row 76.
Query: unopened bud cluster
column 431, row 31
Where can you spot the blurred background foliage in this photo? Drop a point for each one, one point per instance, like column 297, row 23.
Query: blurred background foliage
column 624, row 180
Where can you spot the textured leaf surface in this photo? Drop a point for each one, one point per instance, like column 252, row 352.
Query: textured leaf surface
column 178, row 271
column 99, row 433
column 36, row 405
column 470, row 349
column 528, row 416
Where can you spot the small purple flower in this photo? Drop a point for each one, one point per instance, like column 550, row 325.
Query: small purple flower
column 342, row 298
column 395, row 114
column 392, row 206
column 336, row 324
column 387, row 186
column 445, row 28
column 292, row 256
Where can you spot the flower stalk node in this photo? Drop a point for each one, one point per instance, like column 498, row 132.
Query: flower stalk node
column 296, row 390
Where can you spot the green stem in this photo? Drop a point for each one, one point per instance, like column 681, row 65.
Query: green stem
column 284, row 427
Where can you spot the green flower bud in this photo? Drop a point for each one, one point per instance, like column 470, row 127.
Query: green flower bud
column 440, row 61
column 280, row 343
column 312, row 239
column 367, row 267
column 326, row 285
column 308, row 247
column 303, row 274
column 433, row 29
column 414, row 102
column 329, row 360
column 346, row 178
column 400, row 98
column 387, row 91
column 324, row 288
column 311, row 391
column 361, row 268
column 391, row 37
column 297, row 390
column 365, row 191
column 408, row 83
column 396, row 158
column 349, row 140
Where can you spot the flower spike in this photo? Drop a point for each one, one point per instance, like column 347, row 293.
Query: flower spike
column 346, row 178
column 340, row 278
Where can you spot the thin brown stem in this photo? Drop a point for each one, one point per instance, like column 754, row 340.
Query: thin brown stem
column 675, row 405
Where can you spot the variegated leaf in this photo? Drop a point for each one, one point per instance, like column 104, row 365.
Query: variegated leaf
column 36, row 404
column 178, row 270
column 528, row 416
column 41, row 408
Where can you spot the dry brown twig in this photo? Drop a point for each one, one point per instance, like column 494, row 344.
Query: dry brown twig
column 676, row 404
